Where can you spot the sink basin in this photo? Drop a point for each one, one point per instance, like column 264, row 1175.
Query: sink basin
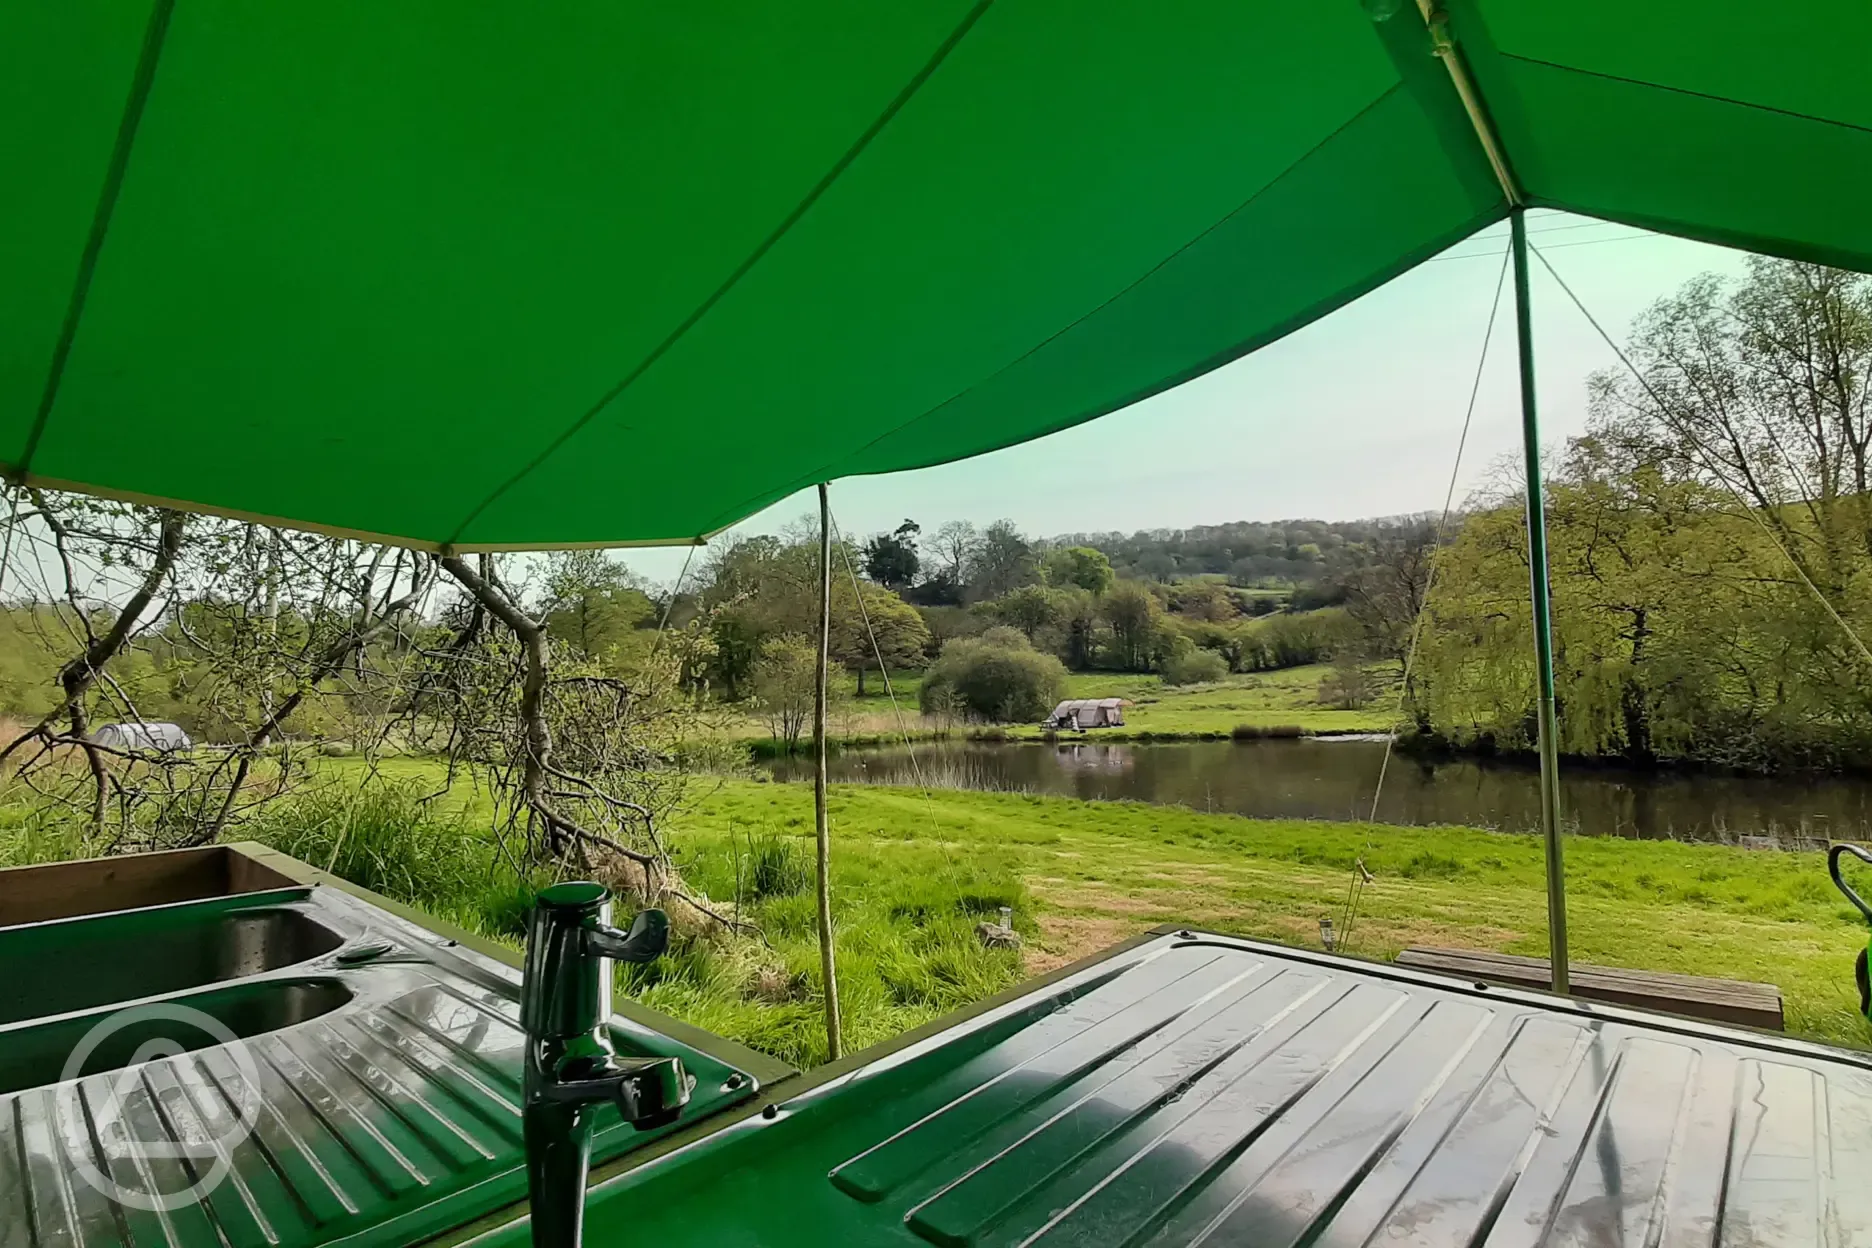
column 389, row 1083
column 64, row 890
column 32, row 1057
column 127, row 957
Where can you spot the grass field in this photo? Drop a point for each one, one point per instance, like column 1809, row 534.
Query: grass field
column 913, row 873
column 1255, row 702
column 1089, row 874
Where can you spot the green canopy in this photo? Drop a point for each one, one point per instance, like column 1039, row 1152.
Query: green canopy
column 496, row 275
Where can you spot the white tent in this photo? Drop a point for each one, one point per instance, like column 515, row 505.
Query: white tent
column 1084, row 713
column 152, row 738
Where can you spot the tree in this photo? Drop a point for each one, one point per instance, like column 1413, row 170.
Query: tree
column 1078, row 610
column 785, row 679
column 891, row 559
column 1678, row 632
column 1082, row 566
column 1133, row 613
column 1347, row 687
column 591, row 604
column 1763, row 387
column 1385, row 596
column 1204, row 600
column 954, row 544
column 939, row 589
column 758, row 587
column 1034, row 609
column 1003, row 560
column 883, row 624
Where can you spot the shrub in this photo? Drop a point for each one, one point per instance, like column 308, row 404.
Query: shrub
column 1194, row 667
column 998, row 676
column 776, row 867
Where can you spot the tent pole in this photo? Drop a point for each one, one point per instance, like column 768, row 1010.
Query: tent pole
column 820, row 822
column 1543, row 616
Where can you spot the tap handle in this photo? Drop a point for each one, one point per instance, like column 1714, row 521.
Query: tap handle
column 648, row 1091
column 645, row 942
column 1833, row 869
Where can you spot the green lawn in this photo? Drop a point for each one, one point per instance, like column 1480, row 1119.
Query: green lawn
column 1089, row 874
column 1259, row 700
column 1286, row 700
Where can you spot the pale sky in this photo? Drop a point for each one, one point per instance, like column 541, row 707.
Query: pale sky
column 1356, row 415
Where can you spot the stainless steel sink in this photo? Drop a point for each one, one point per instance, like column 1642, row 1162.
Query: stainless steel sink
column 36, row 1056
column 353, row 1074
column 127, row 957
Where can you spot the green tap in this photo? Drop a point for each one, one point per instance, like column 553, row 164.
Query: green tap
column 1859, row 964
column 571, row 1068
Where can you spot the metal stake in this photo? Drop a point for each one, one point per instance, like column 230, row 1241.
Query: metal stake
column 1543, row 621
column 819, row 778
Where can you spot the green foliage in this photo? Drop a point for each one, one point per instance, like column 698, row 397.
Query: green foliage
column 1681, row 631
column 891, row 559
column 1080, row 566
column 1001, row 560
column 785, row 683
column 593, row 607
column 1293, row 639
column 1033, row 609
column 998, row 677
column 1133, row 613
column 872, row 624
column 1678, row 634
column 1348, row 686
column 1194, row 667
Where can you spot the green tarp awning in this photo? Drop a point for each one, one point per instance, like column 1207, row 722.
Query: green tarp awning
column 514, row 275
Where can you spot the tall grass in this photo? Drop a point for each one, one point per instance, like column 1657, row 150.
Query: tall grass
column 385, row 836
column 904, row 917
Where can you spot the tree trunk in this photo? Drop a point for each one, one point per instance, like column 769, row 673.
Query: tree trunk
column 537, row 736
column 1634, row 704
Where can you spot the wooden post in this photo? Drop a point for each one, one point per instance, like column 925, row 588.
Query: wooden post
column 821, row 824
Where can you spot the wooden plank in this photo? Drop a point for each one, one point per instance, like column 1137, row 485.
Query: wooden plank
column 1719, row 1000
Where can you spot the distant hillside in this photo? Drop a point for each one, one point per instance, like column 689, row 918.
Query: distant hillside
column 1249, row 553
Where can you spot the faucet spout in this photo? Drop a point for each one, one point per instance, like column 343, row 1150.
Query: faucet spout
column 571, row 1068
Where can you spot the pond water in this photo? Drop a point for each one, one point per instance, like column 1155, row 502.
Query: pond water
column 1333, row 778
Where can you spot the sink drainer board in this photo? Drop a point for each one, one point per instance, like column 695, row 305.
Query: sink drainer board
column 1200, row 1090
column 385, row 1089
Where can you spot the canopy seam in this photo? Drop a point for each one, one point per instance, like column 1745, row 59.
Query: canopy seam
column 1855, row 127
column 155, row 33
column 746, row 266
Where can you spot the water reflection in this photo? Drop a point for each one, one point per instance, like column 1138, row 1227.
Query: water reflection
column 1333, row 779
